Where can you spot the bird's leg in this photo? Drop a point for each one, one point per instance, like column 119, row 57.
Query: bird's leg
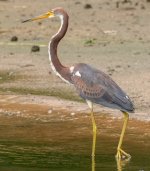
column 120, row 153
column 94, row 132
column 90, row 104
column 94, row 139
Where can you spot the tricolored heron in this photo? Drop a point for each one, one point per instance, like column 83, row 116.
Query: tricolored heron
column 92, row 85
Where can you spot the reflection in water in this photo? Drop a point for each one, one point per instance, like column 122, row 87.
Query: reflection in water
column 93, row 163
column 121, row 164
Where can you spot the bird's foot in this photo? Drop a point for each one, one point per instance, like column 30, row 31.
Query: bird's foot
column 122, row 155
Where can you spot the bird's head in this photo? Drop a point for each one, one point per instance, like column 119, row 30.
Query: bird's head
column 52, row 13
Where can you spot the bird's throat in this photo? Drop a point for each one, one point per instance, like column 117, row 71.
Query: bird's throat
column 60, row 70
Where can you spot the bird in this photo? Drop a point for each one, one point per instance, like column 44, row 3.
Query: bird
column 91, row 84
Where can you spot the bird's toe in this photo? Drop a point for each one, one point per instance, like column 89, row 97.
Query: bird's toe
column 122, row 155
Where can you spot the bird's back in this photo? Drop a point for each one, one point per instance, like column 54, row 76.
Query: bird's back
column 96, row 86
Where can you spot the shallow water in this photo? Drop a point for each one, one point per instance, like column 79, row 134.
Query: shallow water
column 64, row 145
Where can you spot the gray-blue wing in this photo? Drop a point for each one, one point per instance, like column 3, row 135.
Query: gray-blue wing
column 98, row 87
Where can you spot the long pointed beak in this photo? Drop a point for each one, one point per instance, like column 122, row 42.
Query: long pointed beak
column 43, row 16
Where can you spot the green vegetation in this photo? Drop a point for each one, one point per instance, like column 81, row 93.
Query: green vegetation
column 90, row 42
column 6, row 76
column 65, row 94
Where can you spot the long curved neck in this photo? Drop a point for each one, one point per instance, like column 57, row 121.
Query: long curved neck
column 60, row 70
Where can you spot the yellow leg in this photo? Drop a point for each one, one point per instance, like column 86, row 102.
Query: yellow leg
column 94, row 139
column 94, row 133
column 90, row 104
column 120, row 153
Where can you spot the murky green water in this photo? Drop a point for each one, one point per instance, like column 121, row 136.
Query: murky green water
column 27, row 144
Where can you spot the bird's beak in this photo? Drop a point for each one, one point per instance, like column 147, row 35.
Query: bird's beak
column 46, row 15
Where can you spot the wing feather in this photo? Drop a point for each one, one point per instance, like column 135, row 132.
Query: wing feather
column 98, row 87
